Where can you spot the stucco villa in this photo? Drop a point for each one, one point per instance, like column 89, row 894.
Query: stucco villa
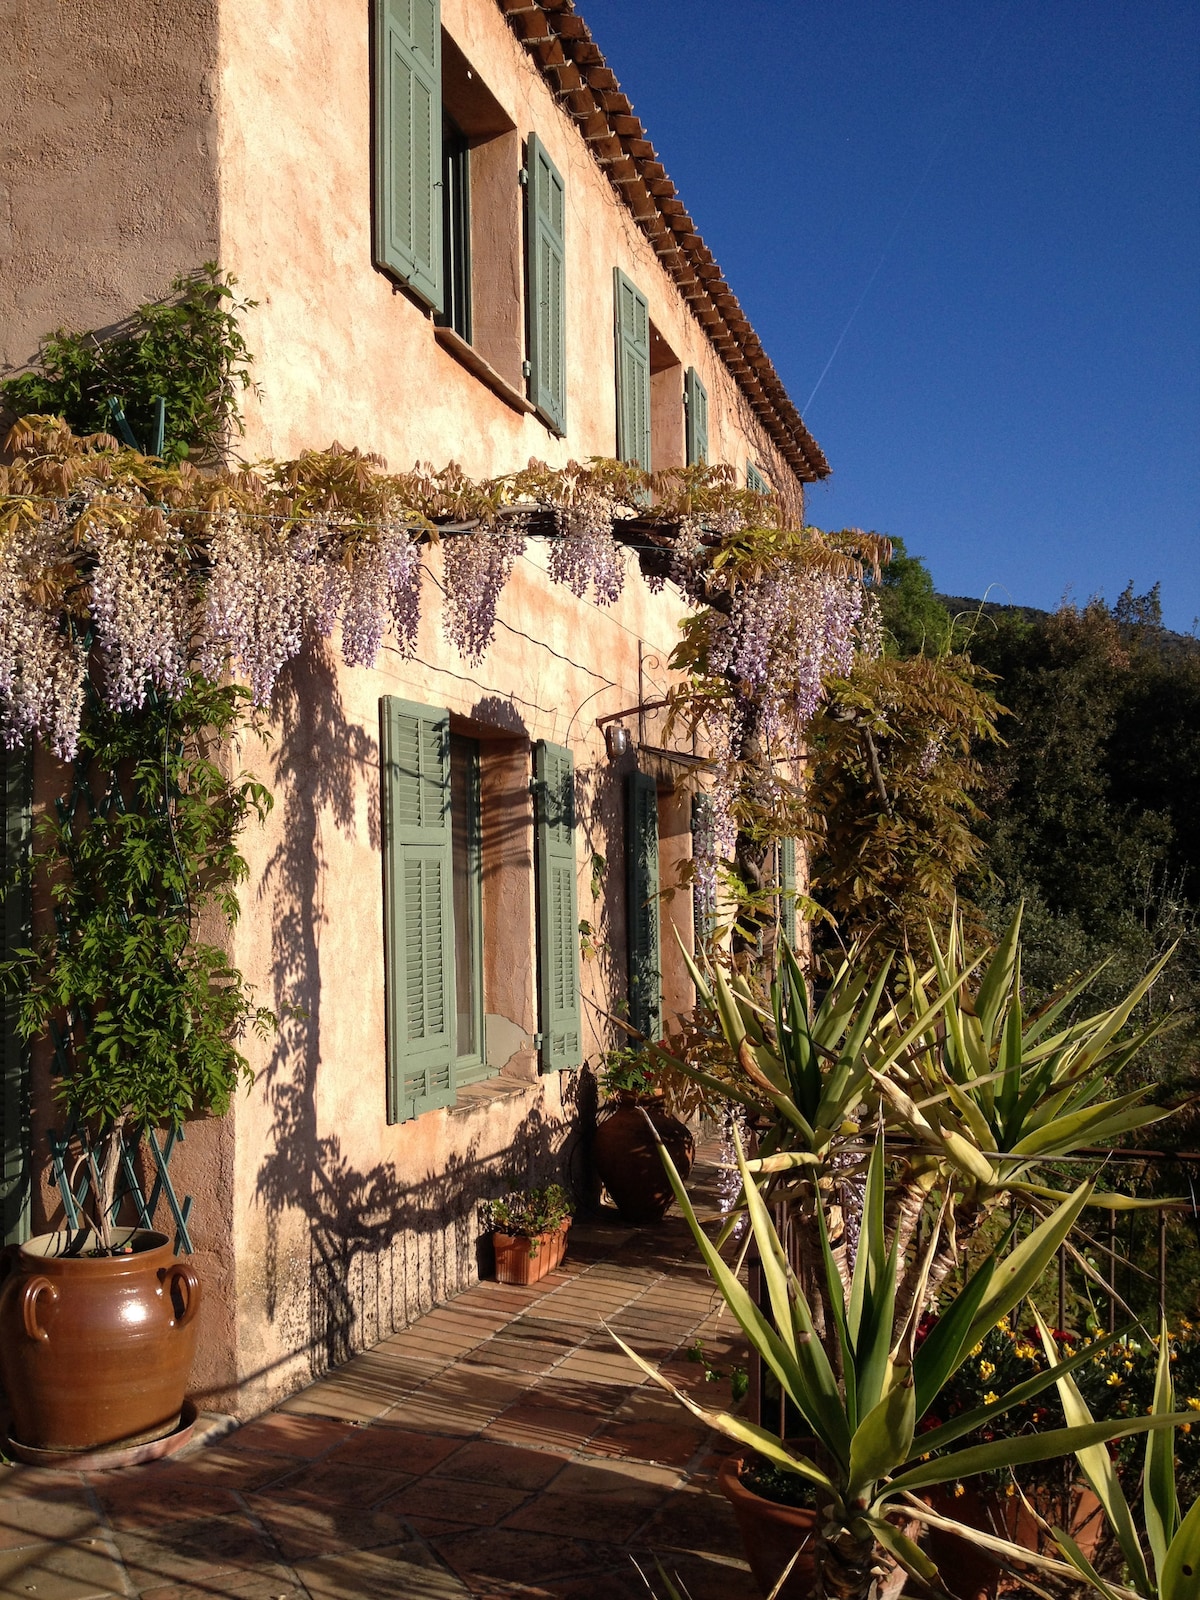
column 463, row 248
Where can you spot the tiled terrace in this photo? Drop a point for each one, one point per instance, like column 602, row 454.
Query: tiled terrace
column 500, row 1446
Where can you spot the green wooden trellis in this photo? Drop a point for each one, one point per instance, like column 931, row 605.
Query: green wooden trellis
column 130, row 1186
column 61, row 1141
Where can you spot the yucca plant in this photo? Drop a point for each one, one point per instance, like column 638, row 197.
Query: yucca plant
column 1171, row 1570
column 975, row 1096
column 867, row 1459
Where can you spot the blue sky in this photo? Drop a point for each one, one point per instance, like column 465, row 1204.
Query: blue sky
column 1018, row 394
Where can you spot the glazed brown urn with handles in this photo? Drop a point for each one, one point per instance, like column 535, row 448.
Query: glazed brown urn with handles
column 95, row 1351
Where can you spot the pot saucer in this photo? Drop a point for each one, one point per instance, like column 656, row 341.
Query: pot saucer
column 134, row 1455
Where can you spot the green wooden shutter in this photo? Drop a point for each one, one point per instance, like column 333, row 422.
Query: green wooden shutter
column 418, row 908
column 695, row 400
column 787, row 889
column 408, row 143
column 755, row 479
column 558, row 923
column 641, row 856
column 545, row 220
column 633, row 372
column 15, row 933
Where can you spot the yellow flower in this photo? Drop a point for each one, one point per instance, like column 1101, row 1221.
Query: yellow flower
column 978, row 1350
column 986, row 1370
column 1192, row 1402
column 1113, row 1379
column 990, row 1397
column 1026, row 1352
column 959, row 1489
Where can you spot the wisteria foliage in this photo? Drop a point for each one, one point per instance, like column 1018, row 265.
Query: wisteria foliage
column 113, row 563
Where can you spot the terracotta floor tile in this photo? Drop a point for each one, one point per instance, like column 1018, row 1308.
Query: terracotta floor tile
column 709, row 1578
column 501, row 1555
column 543, row 1426
column 305, row 1526
column 487, row 1461
column 231, row 1469
column 188, row 1552
column 259, row 1583
column 393, row 1449
column 697, row 1520
column 280, row 1434
column 61, row 1511
column 338, row 1482
column 339, row 1403
column 479, row 1505
column 141, row 1497
column 574, row 1516
column 59, row 1572
column 406, row 1573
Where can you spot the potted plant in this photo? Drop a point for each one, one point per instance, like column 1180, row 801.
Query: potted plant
column 863, row 1398
column 1167, row 1565
column 973, row 1096
column 98, row 1322
column 529, row 1231
column 625, row 1149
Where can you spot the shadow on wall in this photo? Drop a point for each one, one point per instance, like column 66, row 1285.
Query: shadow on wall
column 379, row 1247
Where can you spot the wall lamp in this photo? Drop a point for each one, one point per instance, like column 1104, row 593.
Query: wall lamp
column 616, row 740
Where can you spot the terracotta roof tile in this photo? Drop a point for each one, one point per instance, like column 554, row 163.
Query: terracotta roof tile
column 574, row 67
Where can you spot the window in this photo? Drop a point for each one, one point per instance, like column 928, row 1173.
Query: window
column 756, row 480
column 632, row 317
column 642, row 903
column 666, row 404
column 446, row 180
column 695, row 405
column 433, row 914
column 456, row 229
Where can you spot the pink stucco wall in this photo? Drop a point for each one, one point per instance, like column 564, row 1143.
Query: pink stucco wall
column 217, row 130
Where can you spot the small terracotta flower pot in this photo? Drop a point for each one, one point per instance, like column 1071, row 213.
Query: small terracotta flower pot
column 771, row 1534
column 526, row 1258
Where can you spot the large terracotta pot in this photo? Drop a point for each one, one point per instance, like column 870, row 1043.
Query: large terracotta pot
column 968, row 1571
column 771, row 1534
column 524, row 1258
column 627, row 1158
column 95, row 1351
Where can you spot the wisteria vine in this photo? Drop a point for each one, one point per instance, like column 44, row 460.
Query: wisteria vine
column 113, row 564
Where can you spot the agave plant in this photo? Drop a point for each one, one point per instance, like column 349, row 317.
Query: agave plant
column 975, row 1096
column 867, row 1459
column 1171, row 1571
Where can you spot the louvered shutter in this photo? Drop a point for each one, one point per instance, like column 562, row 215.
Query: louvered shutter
column 408, row 143
column 755, row 479
column 787, row 889
column 558, row 922
column 545, row 223
column 641, row 855
column 633, row 372
column 419, row 908
column 695, row 400
column 15, row 934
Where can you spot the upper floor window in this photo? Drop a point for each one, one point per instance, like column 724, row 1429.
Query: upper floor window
column 448, row 213
column 756, row 479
